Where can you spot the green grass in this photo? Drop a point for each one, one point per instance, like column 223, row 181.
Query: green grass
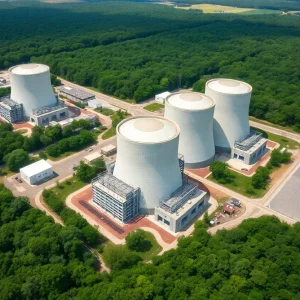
column 284, row 142
column 21, row 131
column 61, row 156
column 262, row 12
column 154, row 107
column 67, row 187
column 240, row 184
column 109, row 133
column 289, row 129
column 105, row 111
column 147, row 255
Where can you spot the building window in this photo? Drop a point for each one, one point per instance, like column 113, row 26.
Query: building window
column 235, row 155
column 159, row 218
column 184, row 220
column 193, row 211
column 200, row 204
column 63, row 114
column 166, row 222
column 241, row 157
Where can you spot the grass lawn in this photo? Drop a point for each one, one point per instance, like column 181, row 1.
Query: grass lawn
column 109, row 133
column 67, row 187
column 63, row 155
column 284, row 142
column 146, row 256
column 240, row 184
column 105, row 111
column 262, row 12
column 21, row 131
column 154, row 107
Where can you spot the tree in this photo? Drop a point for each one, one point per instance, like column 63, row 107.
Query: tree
column 91, row 235
column 5, row 126
column 220, row 172
column 137, row 240
column 260, row 178
column 17, row 159
column 85, row 172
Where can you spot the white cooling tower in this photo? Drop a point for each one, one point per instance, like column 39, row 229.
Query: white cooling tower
column 193, row 113
column 31, row 86
column 148, row 158
column 231, row 117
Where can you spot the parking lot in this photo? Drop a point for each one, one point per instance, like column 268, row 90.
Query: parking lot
column 287, row 201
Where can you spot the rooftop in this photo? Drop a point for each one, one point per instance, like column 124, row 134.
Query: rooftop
column 148, row 129
column 108, row 148
column 47, row 109
column 77, row 93
column 92, row 156
column 229, row 86
column 190, row 101
column 36, row 168
column 251, row 143
column 163, row 95
column 29, row 69
column 8, row 102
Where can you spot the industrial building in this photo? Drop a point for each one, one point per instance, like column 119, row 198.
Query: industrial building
column 31, row 87
column 109, row 150
column 250, row 149
column 11, row 110
column 44, row 115
column 193, row 113
column 37, row 172
column 115, row 197
column 148, row 158
column 76, row 95
column 177, row 210
column 231, row 116
column 89, row 159
column 162, row 97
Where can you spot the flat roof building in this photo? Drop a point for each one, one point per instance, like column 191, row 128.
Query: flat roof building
column 37, row 172
column 89, row 159
column 162, row 97
column 109, row 150
column 77, row 95
column 11, row 110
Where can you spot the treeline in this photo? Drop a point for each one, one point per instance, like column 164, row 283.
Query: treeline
column 67, row 137
column 154, row 48
column 39, row 259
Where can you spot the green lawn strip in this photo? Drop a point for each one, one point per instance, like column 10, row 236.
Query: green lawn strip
column 261, row 12
column 285, row 128
column 109, row 133
column 240, row 184
column 67, row 187
column 154, row 107
column 146, row 256
column 105, row 111
column 284, row 142
column 63, row 155
column 21, row 131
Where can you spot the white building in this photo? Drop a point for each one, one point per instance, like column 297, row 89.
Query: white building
column 148, row 158
column 162, row 97
column 31, row 87
column 37, row 172
column 193, row 113
column 231, row 116
column 89, row 159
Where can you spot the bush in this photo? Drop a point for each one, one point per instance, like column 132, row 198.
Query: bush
column 137, row 241
column 220, row 172
column 260, row 178
column 43, row 155
column 17, row 159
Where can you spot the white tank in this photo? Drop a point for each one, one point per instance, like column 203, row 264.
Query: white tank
column 148, row 158
column 31, row 86
column 231, row 117
column 193, row 113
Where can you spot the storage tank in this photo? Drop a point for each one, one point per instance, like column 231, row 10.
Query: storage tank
column 231, row 117
column 31, row 86
column 193, row 113
column 148, row 158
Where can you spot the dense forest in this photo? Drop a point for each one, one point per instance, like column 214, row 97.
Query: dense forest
column 134, row 50
column 42, row 260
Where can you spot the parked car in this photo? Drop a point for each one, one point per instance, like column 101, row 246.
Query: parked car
column 18, row 179
column 75, row 166
column 245, row 169
column 235, row 202
column 90, row 149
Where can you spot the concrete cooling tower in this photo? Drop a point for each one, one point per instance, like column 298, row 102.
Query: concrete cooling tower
column 231, row 117
column 148, row 158
column 193, row 112
column 31, row 86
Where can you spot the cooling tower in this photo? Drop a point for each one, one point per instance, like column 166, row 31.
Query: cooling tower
column 148, row 158
column 231, row 117
column 193, row 113
column 31, row 86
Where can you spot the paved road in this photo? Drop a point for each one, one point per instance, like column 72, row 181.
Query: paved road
column 63, row 168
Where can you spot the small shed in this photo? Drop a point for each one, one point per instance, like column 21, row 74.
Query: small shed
column 228, row 208
column 162, row 97
column 109, row 150
column 89, row 159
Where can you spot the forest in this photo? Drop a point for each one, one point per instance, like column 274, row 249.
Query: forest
column 39, row 259
column 135, row 50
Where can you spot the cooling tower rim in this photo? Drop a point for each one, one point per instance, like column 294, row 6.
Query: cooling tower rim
column 191, row 110
column 126, row 138
column 41, row 68
column 233, row 81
